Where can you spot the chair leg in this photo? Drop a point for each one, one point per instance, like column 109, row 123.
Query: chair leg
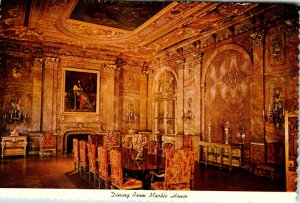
column 89, row 177
column 99, row 181
column 95, row 178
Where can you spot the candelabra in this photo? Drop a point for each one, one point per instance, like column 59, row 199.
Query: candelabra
column 227, row 135
column 139, row 141
column 241, row 135
column 15, row 115
column 209, row 132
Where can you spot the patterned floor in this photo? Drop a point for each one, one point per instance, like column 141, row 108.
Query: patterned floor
column 34, row 172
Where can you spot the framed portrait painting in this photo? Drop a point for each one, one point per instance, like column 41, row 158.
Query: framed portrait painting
column 81, row 91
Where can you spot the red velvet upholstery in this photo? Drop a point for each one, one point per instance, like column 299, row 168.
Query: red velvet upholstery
column 48, row 143
column 177, row 171
column 117, row 179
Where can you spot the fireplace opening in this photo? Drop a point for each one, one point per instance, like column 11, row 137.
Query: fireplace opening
column 70, row 140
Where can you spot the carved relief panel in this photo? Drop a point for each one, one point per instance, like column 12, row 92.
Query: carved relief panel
column 227, row 94
column 276, row 47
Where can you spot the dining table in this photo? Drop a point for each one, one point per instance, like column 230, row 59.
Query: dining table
column 140, row 167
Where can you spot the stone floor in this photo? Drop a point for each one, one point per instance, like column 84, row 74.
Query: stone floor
column 34, row 172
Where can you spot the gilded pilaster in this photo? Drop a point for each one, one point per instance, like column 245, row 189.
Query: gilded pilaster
column 37, row 66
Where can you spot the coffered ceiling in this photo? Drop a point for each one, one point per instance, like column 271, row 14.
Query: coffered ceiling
column 135, row 29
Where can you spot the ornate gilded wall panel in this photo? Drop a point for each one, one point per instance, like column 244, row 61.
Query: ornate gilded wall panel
column 227, row 94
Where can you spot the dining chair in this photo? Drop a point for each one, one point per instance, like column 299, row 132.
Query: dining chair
column 103, row 166
column 187, row 142
column 48, row 143
column 76, row 154
column 167, row 147
column 117, row 178
column 177, row 174
column 152, row 147
column 83, row 160
column 92, row 156
column 128, row 143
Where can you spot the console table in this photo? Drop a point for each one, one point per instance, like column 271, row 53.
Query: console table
column 222, row 155
column 13, row 145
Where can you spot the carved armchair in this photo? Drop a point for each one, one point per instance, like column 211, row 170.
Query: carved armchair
column 177, row 174
column 48, row 143
column 117, row 179
column 167, row 147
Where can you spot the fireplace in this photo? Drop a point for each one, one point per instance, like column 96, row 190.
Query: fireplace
column 70, row 138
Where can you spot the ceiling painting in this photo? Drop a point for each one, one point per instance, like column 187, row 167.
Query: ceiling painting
column 126, row 15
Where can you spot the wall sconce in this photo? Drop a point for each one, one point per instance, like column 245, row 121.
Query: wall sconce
column 15, row 115
column 276, row 114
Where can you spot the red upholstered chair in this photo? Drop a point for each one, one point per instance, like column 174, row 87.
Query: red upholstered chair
column 117, row 179
column 187, row 142
column 167, row 147
column 83, row 160
column 103, row 166
column 76, row 153
column 177, row 171
column 48, row 143
column 152, row 147
column 92, row 155
column 128, row 143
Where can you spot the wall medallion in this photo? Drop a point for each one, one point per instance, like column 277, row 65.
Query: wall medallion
column 16, row 70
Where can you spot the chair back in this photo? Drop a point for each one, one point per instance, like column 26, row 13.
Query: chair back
column 103, row 162
column 152, row 147
column 76, row 150
column 178, row 170
column 115, row 158
column 128, row 143
column 92, row 155
column 187, row 141
column 167, row 147
column 48, row 140
column 83, row 153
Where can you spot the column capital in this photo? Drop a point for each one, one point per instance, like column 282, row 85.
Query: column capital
column 258, row 38
column 180, row 62
column 198, row 56
column 110, row 68
column 51, row 62
column 38, row 63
